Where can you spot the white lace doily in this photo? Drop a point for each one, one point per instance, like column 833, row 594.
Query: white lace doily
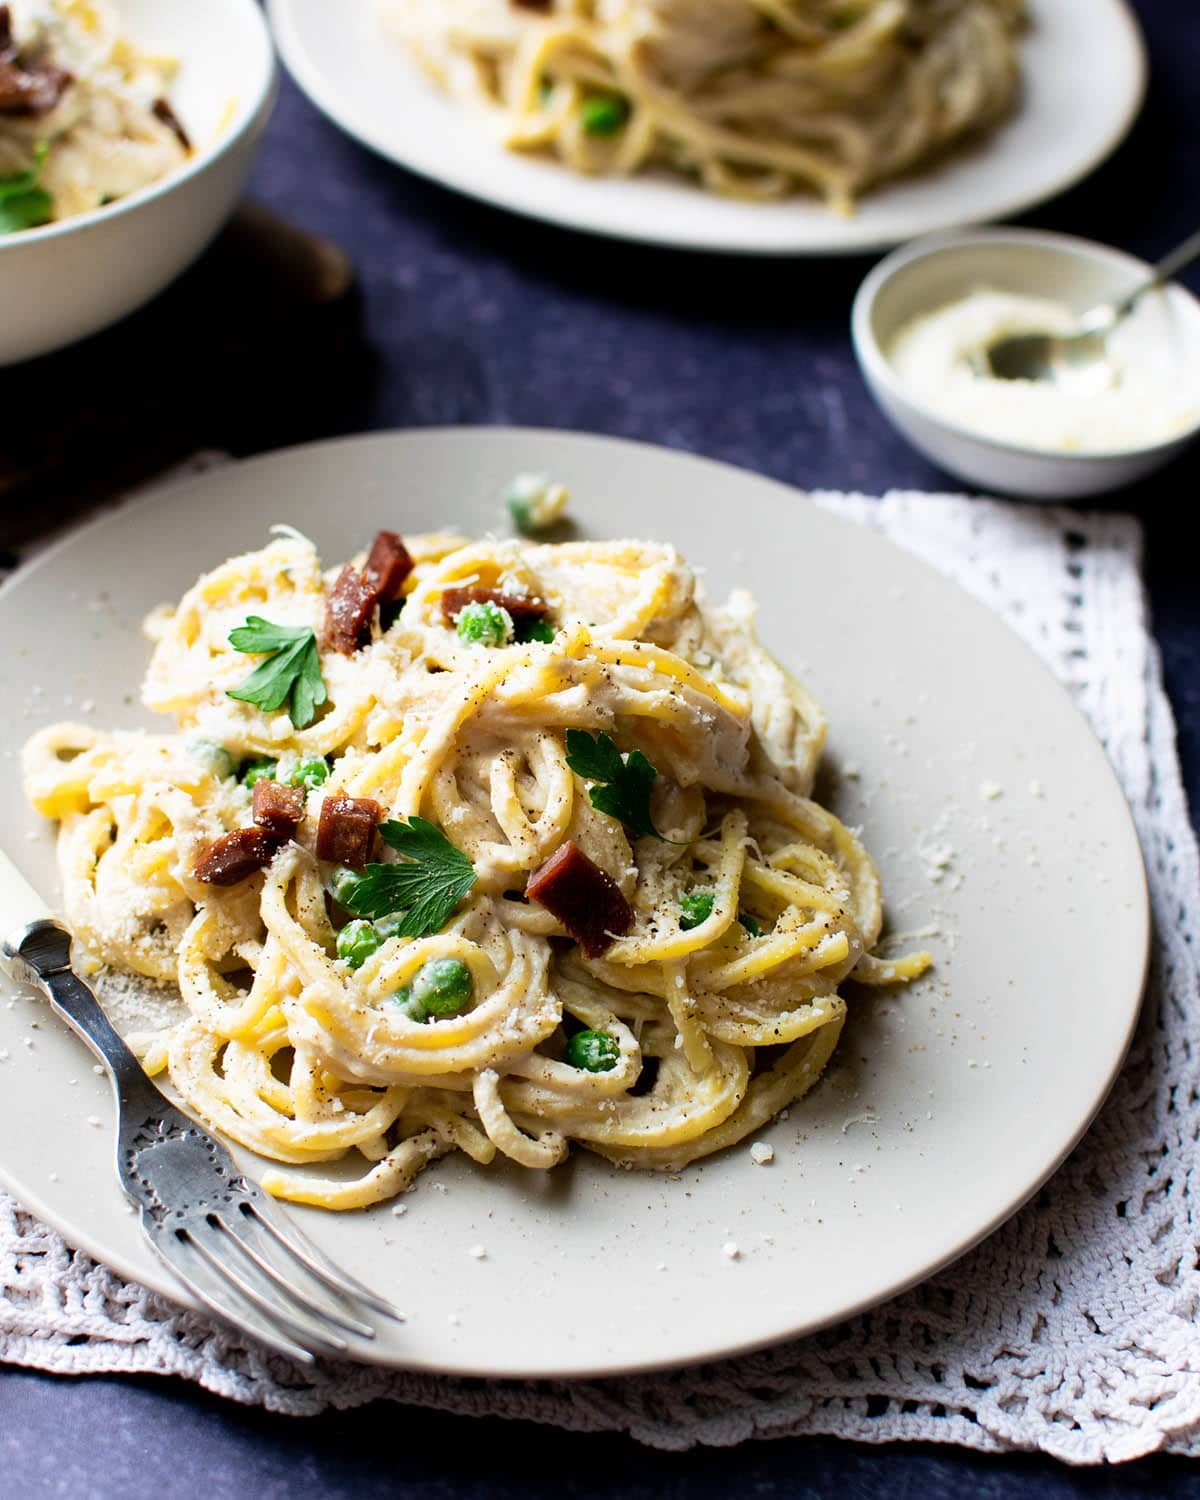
column 1073, row 1329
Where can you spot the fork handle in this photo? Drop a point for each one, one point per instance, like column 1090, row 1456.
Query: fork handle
column 1164, row 271
column 40, row 956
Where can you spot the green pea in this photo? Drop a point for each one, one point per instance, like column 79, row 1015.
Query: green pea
column 215, row 757
column 356, row 942
column 443, row 986
column 310, row 773
column 604, row 114
column 521, row 511
column 389, row 926
column 536, row 503
column 593, row 1051
column 483, row 623
column 694, row 908
column 408, row 1005
column 258, row 770
column 752, row 925
column 343, row 886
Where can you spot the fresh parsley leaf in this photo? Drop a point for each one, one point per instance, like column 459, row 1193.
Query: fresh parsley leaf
column 24, row 210
column 258, row 636
column 24, row 205
column 291, row 670
column 594, row 758
column 532, row 629
column 425, row 886
column 623, row 781
column 308, row 692
column 16, row 184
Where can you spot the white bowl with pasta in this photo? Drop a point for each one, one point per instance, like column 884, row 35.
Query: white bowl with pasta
column 922, row 310
column 115, row 177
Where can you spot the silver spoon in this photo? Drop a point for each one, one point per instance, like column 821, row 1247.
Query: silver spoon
column 1076, row 357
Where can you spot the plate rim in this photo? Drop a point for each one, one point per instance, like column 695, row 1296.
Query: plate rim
column 312, row 82
column 159, row 1281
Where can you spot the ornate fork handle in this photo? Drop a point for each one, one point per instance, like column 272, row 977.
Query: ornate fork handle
column 153, row 1173
column 41, row 956
column 216, row 1229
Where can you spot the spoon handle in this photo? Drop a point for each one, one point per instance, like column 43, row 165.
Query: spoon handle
column 1181, row 256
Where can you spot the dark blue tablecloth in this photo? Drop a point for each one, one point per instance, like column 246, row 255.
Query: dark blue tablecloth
column 468, row 315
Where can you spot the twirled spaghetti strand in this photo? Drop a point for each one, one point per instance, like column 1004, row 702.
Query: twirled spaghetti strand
column 755, row 99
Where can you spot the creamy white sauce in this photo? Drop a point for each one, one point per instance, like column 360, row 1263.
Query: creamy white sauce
column 1146, row 396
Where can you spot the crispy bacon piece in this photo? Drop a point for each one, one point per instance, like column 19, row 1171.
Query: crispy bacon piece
column 236, row 855
column 519, row 606
column 388, row 565
column 585, row 900
column 161, row 110
column 347, row 830
column 32, row 88
column 278, row 808
column 348, row 612
column 354, row 596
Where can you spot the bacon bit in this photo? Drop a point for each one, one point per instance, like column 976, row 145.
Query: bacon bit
column 347, row 830
column 354, row 597
column 388, row 565
column 519, row 606
column 161, row 110
column 348, row 612
column 237, row 855
column 585, row 900
column 277, row 808
column 26, row 89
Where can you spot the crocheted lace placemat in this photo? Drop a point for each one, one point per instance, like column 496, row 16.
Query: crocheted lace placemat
column 1073, row 1329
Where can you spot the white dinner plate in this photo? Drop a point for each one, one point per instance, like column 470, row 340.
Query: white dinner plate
column 1084, row 78
column 947, row 1103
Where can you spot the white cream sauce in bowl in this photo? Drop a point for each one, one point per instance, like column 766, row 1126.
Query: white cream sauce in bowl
column 1137, row 397
column 924, row 311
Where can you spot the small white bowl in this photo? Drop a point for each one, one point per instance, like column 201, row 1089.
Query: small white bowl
column 69, row 279
column 1076, row 272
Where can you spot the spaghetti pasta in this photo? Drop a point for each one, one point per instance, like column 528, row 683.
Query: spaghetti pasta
column 631, row 724
column 754, row 98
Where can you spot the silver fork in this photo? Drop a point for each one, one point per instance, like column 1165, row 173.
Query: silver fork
column 217, row 1231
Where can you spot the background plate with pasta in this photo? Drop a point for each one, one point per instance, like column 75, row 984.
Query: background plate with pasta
column 990, row 808
column 1067, row 120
